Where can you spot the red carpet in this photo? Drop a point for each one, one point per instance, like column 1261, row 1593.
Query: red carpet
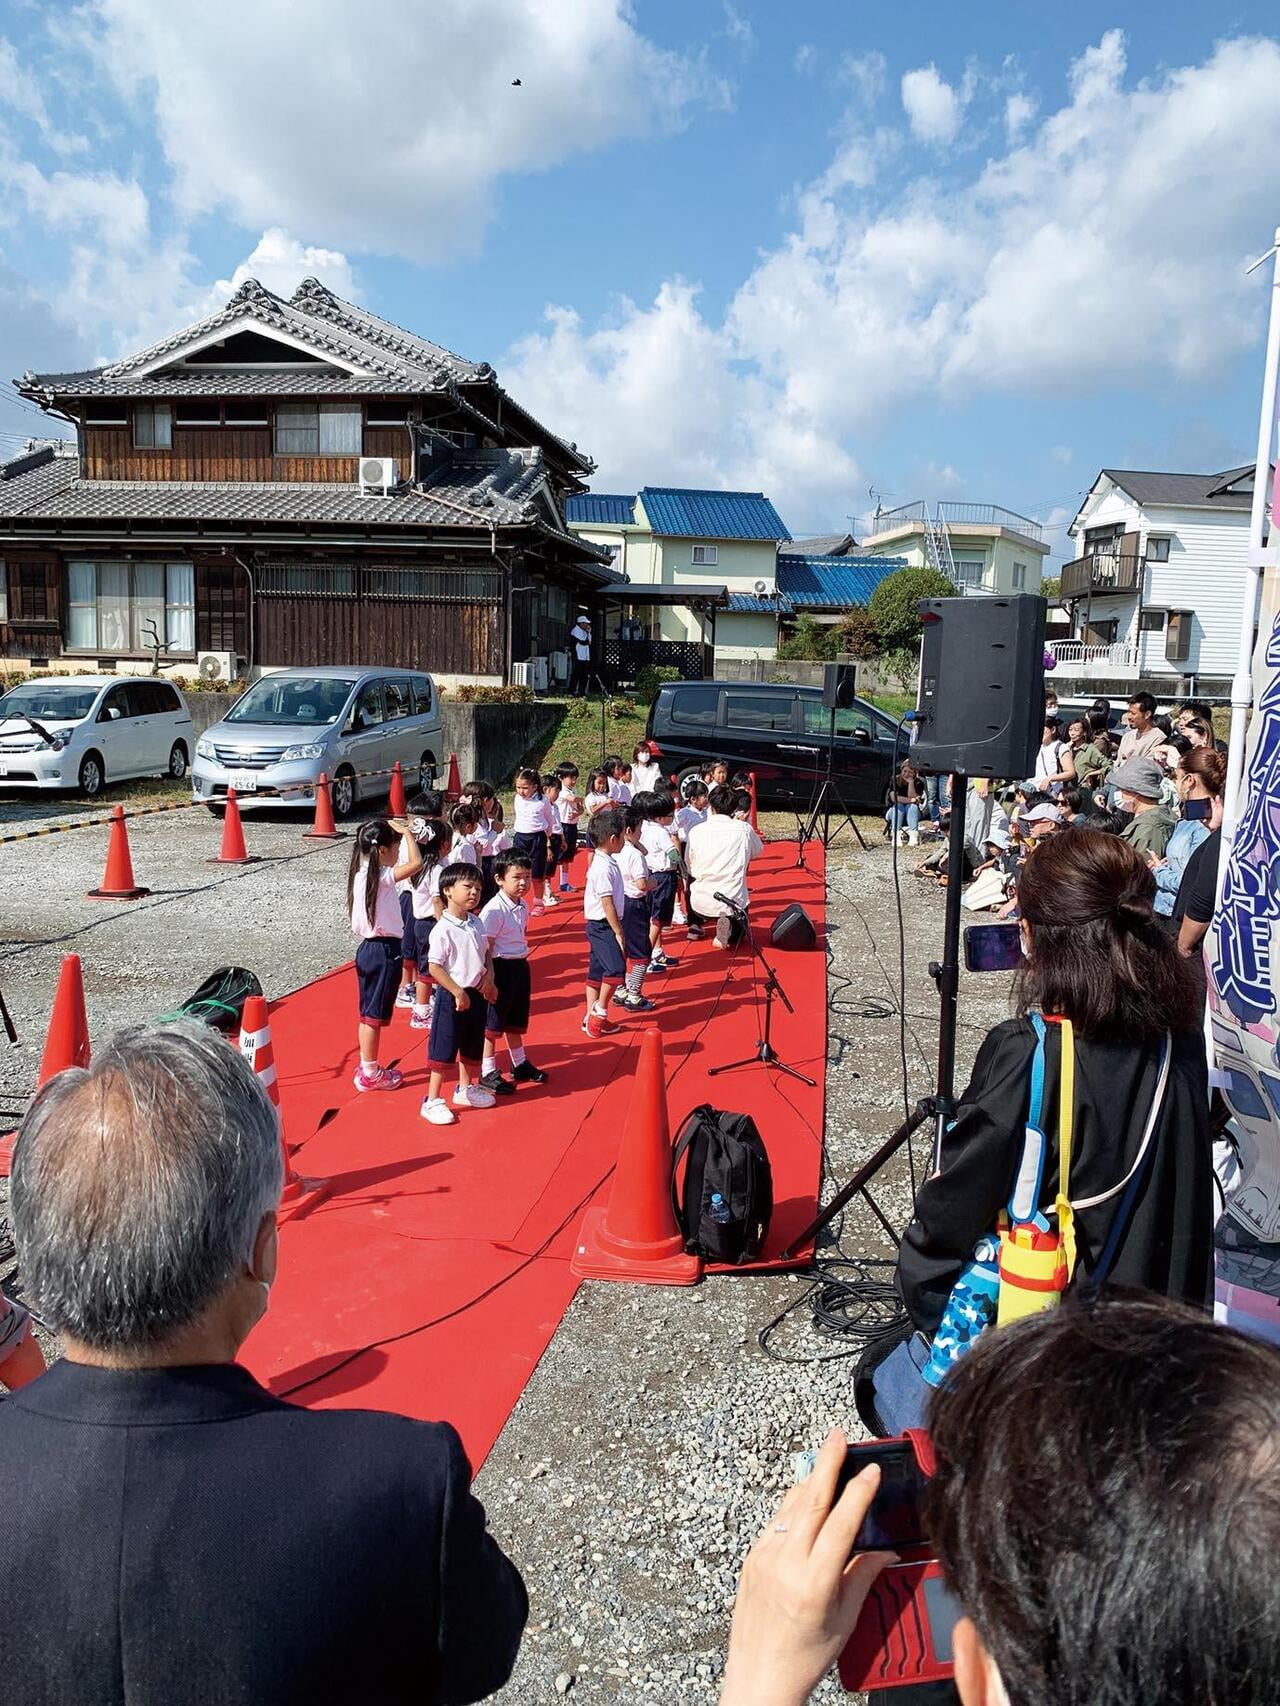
column 432, row 1277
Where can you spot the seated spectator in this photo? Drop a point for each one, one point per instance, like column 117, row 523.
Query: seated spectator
column 1104, row 1511
column 1138, row 786
column 1096, row 956
column 177, row 1533
column 1195, row 720
column 905, row 798
column 1200, row 778
column 1071, row 808
column 718, row 854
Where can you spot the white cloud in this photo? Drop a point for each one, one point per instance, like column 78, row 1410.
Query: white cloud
column 738, row 29
column 806, row 58
column 386, row 131
column 866, row 73
column 1104, row 250
column 21, row 95
column 281, row 262
column 1019, row 110
column 932, row 106
column 1062, row 453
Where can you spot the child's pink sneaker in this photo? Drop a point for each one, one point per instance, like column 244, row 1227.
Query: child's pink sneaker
column 377, row 1078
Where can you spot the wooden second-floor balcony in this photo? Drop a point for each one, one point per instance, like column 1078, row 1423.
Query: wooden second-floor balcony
column 1101, row 572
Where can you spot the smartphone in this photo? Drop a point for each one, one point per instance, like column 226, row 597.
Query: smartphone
column 895, row 1518
column 992, row 947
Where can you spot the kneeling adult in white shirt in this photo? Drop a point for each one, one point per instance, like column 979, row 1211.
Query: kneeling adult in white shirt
column 719, row 852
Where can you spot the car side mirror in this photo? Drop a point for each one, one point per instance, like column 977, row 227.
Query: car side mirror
column 112, row 713
column 357, row 722
column 863, row 736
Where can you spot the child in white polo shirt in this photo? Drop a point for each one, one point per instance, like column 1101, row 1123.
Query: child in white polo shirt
column 636, row 884
column 506, row 919
column 462, row 971
column 602, row 905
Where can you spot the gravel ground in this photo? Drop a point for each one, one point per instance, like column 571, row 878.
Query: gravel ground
column 653, row 1440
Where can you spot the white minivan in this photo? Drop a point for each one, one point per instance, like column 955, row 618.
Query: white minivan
column 83, row 731
column 352, row 725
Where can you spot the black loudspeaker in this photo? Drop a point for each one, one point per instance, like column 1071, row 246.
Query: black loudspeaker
column 793, row 928
column 981, row 685
column 839, row 684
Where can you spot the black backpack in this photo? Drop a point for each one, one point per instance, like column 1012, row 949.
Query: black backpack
column 726, row 1157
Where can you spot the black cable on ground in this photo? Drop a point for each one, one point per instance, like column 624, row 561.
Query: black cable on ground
column 852, row 1301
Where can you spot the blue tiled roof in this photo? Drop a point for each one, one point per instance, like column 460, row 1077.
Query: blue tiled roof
column 817, row 583
column 681, row 513
column 610, row 508
column 812, row 583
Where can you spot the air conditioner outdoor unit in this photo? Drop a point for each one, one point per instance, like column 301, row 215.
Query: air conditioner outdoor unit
column 216, row 666
column 377, row 474
column 559, row 662
column 538, row 674
column 520, row 675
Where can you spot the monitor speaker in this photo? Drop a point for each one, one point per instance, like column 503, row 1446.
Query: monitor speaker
column 839, row 684
column 793, row 928
column 981, row 707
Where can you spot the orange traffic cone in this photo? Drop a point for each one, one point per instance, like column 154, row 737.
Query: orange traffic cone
column 66, row 1042
column 324, row 828
column 453, row 787
column 255, row 1046
column 233, row 850
column 751, row 815
column 636, row 1237
column 23, row 1363
column 117, row 879
column 396, row 804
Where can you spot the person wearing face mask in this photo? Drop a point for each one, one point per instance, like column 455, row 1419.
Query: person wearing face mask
column 1138, row 785
column 1200, row 778
column 175, row 1533
column 1095, row 955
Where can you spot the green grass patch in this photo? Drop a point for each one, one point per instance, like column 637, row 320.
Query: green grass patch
column 575, row 738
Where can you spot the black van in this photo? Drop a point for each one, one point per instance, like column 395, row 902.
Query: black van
column 782, row 733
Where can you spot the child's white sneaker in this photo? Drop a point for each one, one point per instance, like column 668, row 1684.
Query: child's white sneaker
column 474, row 1096
column 404, row 995
column 436, row 1111
column 420, row 1018
column 550, row 900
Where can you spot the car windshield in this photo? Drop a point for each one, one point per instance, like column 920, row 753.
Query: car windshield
column 49, row 701
column 301, row 701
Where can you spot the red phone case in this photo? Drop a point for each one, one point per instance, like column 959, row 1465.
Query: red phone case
column 892, row 1643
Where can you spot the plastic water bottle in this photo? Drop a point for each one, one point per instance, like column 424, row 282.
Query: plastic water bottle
column 719, row 1211
column 970, row 1310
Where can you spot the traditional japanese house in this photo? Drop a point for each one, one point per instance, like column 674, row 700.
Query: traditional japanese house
column 292, row 482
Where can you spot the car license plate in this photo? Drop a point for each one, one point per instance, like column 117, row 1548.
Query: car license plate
column 243, row 781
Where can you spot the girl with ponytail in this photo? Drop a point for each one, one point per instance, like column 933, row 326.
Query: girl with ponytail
column 385, row 853
column 432, row 835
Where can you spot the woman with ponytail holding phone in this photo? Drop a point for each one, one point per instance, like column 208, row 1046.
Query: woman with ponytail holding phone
column 1102, row 977
column 1199, row 779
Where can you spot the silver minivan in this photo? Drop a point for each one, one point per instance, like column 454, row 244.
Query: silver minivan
column 352, row 724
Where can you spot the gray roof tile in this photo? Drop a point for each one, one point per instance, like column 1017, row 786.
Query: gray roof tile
column 1197, row 491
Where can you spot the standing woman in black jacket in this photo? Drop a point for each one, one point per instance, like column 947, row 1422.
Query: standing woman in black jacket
column 1096, row 955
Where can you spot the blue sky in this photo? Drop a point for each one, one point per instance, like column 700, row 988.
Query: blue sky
column 814, row 248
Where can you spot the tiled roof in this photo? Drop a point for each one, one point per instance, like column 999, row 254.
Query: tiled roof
column 680, row 513
column 475, row 489
column 1214, row 491
column 817, row 583
column 612, row 509
column 825, row 545
column 386, row 358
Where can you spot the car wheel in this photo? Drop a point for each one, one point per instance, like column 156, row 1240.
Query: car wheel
column 426, row 772
column 683, row 776
column 92, row 775
column 344, row 793
column 178, row 761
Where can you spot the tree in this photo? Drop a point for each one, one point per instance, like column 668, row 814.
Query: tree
column 893, row 605
column 858, row 634
column 1051, row 587
column 811, row 640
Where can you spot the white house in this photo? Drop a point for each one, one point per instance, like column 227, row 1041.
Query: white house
column 980, row 548
column 677, row 538
column 1157, row 581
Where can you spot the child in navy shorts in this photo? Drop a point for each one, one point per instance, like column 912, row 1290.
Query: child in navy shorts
column 602, row 904
column 569, row 806
column 426, row 906
column 462, row 972
column 635, row 914
column 533, row 827
column 374, row 907
column 662, row 856
column 506, row 919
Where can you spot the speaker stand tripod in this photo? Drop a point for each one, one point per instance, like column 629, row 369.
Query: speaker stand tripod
column 821, row 808
column 766, row 1054
column 939, row 1108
